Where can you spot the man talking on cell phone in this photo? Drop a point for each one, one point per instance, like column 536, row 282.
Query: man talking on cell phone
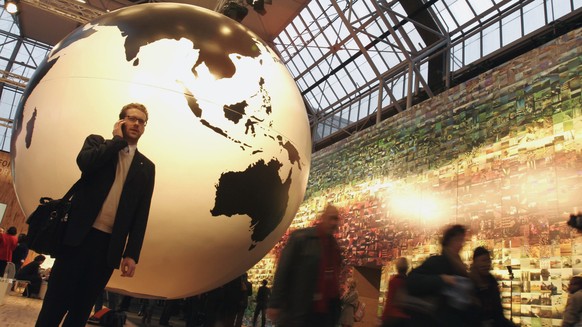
column 107, row 220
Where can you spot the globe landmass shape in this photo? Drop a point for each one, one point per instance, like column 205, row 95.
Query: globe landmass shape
column 227, row 130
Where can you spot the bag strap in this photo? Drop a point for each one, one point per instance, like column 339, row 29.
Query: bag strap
column 72, row 190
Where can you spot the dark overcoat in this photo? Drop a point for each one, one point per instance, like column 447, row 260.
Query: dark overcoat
column 296, row 278
column 98, row 162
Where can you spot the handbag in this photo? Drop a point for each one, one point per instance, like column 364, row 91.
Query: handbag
column 48, row 223
column 425, row 305
column 359, row 311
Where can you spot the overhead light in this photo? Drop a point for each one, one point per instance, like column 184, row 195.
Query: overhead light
column 258, row 6
column 235, row 11
column 11, row 6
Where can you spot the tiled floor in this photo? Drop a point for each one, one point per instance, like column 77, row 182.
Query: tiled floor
column 19, row 311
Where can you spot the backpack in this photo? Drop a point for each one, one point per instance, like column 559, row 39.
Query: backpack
column 359, row 311
column 109, row 318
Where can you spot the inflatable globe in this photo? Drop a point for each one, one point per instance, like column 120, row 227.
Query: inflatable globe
column 227, row 130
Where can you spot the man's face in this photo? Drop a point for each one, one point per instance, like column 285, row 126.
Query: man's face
column 329, row 220
column 483, row 264
column 456, row 243
column 133, row 125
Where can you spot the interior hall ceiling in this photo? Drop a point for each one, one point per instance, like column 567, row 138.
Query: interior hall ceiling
column 49, row 21
column 358, row 62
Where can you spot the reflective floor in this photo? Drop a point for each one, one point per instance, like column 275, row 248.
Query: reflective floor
column 19, row 311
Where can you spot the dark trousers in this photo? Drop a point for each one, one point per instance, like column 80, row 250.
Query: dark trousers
column 318, row 319
column 262, row 309
column 78, row 276
column 240, row 315
column 321, row 320
column 396, row 322
column 194, row 307
column 125, row 303
column 170, row 307
column 99, row 301
column 112, row 299
column 34, row 286
column 3, row 264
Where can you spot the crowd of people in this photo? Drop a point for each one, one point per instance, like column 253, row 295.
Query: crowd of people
column 440, row 291
column 307, row 286
column 306, row 292
column 540, row 247
column 14, row 250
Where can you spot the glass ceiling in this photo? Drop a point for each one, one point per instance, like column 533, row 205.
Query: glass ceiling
column 350, row 58
column 18, row 60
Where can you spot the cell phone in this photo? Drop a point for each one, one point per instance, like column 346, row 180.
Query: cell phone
column 123, row 127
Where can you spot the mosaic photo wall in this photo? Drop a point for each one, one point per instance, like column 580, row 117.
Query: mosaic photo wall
column 501, row 154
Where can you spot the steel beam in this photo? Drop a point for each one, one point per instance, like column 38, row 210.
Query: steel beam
column 70, row 9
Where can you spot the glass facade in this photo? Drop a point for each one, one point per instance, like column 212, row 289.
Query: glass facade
column 351, row 58
column 19, row 58
column 354, row 61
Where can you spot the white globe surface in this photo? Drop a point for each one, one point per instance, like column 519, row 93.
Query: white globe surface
column 227, row 130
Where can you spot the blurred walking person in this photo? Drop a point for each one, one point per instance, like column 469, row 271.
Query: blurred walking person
column 573, row 312
column 443, row 280
column 487, row 290
column 263, row 295
column 393, row 315
column 306, row 290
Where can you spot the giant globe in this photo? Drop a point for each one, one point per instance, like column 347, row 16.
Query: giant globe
column 227, row 131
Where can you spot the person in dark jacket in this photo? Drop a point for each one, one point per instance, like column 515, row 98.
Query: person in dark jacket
column 246, row 290
column 306, row 289
column 107, row 220
column 572, row 317
column 20, row 252
column 263, row 295
column 31, row 273
column 487, row 290
column 230, row 302
column 443, row 280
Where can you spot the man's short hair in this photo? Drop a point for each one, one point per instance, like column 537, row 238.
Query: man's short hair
column 453, row 231
column 575, row 283
column 133, row 105
column 11, row 231
column 479, row 251
column 402, row 265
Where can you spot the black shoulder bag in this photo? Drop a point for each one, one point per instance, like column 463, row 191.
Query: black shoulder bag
column 48, row 223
